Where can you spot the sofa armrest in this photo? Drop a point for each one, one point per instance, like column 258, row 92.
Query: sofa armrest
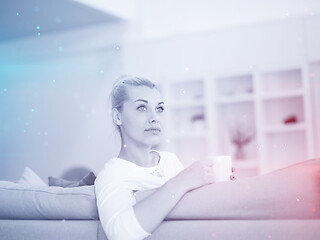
column 289, row 193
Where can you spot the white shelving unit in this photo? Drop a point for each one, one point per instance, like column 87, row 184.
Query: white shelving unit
column 187, row 123
column 314, row 76
column 268, row 110
column 285, row 117
column 234, row 111
column 283, row 129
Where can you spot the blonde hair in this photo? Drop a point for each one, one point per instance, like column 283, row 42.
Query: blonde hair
column 119, row 90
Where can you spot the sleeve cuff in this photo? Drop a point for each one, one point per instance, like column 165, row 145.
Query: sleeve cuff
column 140, row 232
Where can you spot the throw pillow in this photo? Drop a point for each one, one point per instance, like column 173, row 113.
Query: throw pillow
column 86, row 180
column 29, row 177
column 21, row 201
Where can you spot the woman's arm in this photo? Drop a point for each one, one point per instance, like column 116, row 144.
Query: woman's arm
column 152, row 208
column 125, row 216
column 140, row 195
column 289, row 193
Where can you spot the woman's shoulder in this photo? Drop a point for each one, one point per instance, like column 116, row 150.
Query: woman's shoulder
column 116, row 163
column 169, row 158
column 170, row 163
column 115, row 169
column 167, row 154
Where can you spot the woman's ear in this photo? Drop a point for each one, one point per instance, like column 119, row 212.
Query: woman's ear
column 116, row 117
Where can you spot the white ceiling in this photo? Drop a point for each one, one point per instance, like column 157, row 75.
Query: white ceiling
column 147, row 18
column 158, row 18
column 23, row 18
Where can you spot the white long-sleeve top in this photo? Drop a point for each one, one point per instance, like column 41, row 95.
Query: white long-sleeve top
column 115, row 186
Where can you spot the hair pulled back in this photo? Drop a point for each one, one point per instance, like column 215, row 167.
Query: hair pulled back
column 119, row 90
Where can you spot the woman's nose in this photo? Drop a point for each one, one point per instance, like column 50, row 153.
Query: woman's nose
column 154, row 118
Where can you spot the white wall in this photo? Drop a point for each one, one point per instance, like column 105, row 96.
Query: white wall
column 53, row 100
column 65, row 77
column 162, row 18
column 274, row 44
column 220, row 51
column 312, row 30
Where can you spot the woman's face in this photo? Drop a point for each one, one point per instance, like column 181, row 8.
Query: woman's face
column 141, row 116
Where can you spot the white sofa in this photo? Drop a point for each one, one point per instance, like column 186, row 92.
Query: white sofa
column 284, row 204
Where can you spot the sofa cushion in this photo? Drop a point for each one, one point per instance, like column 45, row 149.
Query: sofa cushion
column 51, row 230
column 20, row 201
column 60, row 182
column 29, row 177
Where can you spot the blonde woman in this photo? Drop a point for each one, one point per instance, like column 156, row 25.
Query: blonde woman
column 140, row 187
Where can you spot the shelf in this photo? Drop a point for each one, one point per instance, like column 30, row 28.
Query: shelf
column 235, row 98
column 283, row 80
column 188, row 104
column 278, row 110
column 188, row 135
column 282, row 94
column 187, row 91
column 245, row 164
column 213, row 111
column 234, row 85
column 293, row 127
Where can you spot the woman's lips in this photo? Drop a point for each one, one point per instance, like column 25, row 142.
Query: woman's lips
column 153, row 130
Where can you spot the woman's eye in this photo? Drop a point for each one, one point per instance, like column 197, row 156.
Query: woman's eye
column 142, row 108
column 160, row 109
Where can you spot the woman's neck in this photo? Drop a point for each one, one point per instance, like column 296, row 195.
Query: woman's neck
column 142, row 156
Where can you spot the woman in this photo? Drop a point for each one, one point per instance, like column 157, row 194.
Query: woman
column 126, row 209
column 138, row 189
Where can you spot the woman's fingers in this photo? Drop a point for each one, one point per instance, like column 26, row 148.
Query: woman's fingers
column 210, row 180
column 232, row 177
column 205, row 171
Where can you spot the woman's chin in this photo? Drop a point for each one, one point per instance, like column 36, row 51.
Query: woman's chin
column 154, row 140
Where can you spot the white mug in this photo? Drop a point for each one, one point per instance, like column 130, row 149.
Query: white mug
column 222, row 167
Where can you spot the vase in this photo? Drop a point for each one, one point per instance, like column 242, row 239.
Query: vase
column 239, row 154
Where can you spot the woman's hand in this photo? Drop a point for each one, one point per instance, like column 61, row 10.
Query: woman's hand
column 232, row 176
column 198, row 174
column 152, row 207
